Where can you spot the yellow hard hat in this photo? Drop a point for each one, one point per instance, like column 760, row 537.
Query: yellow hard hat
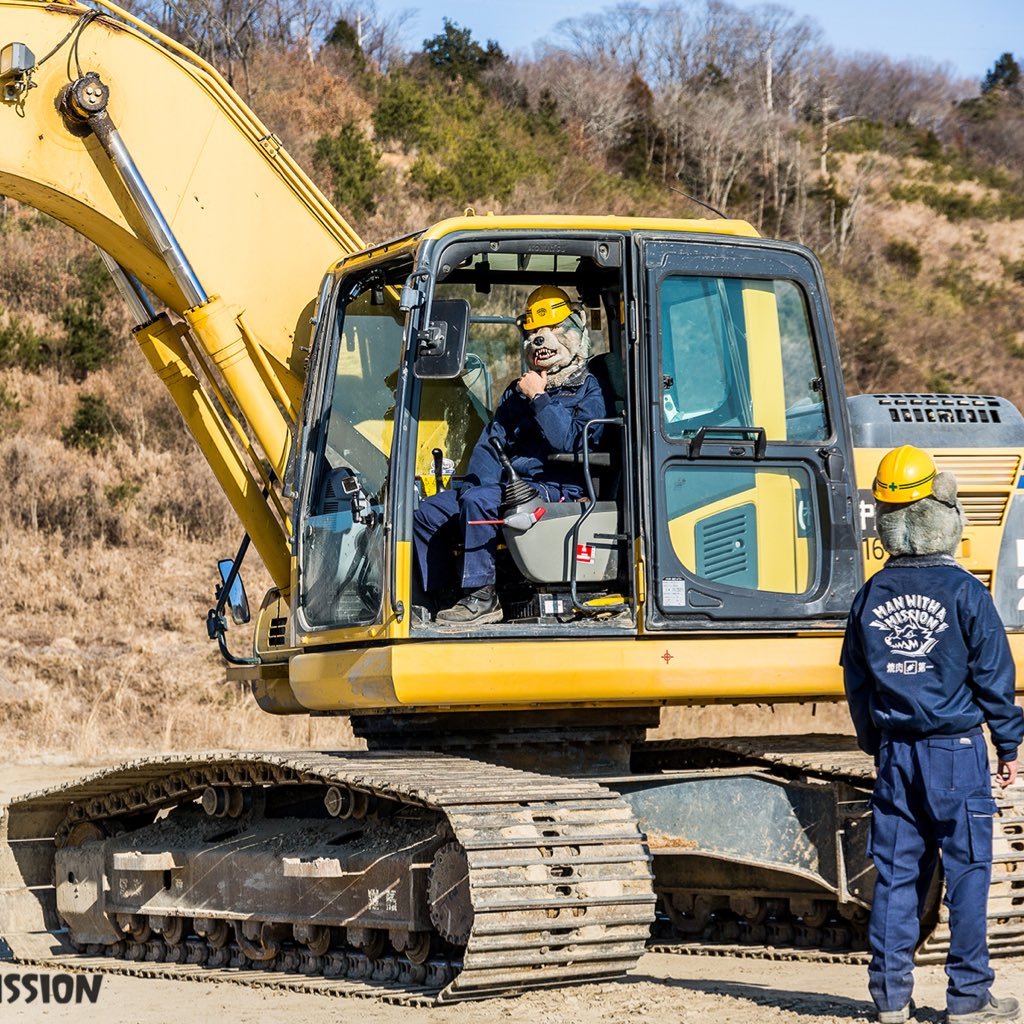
column 905, row 474
column 547, row 306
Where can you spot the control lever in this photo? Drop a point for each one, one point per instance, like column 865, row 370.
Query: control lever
column 515, row 491
column 521, row 503
column 438, row 456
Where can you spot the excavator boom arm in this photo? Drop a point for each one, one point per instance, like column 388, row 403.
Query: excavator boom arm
column 252, row 230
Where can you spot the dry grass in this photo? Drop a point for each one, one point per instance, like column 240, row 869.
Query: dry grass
column 957, row 325
column 754, row 720
column 107, row 656
column 108, row 565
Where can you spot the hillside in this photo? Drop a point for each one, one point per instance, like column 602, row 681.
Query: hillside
column 906, row 182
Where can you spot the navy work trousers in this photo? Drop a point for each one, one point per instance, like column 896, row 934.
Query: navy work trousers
column 931, row 794
column 435, row 519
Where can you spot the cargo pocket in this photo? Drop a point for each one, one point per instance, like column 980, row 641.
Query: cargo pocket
column 952, row 763
column 980, row 810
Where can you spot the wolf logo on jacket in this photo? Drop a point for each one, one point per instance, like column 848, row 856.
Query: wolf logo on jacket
column 911, row 623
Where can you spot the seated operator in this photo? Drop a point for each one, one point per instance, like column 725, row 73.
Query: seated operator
column 543, row 412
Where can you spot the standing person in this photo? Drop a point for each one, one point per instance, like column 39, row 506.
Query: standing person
column 925, row 662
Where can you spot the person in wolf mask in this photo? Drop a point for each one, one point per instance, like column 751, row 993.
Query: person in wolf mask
column 925, row 662
column 543, row 412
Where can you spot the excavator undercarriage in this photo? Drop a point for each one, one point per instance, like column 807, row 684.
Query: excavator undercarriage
column 442, row 875
column 419, row 875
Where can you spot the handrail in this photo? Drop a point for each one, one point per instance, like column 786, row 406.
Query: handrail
column 613, row 421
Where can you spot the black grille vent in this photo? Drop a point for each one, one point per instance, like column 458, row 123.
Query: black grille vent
column 951, row 409
column 727, row 547
column 278, row 635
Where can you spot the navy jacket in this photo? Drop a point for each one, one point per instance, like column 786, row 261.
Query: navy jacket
column 926, row 654
column 532, row 430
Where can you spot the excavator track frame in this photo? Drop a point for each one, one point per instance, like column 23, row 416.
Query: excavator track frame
column 819, row 757
column 559, row 875
column 487, row 807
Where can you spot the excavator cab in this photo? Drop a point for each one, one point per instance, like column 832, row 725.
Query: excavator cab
column 716, row 487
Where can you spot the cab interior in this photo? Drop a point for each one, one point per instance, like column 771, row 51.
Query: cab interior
column 570, row 566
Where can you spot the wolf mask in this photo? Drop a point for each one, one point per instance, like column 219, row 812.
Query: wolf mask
column 562, row 351
column 930, row 526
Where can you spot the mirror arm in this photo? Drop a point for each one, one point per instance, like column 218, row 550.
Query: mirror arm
column 216, row 624
column 422, row 281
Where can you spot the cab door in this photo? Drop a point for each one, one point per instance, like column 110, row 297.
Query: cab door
column 345, row 481
column 750, row 503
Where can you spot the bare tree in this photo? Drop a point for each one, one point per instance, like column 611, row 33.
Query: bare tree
column 618, row 36
column 228, row 32
column 593, row 92
column 381, row 37
column 910, row 92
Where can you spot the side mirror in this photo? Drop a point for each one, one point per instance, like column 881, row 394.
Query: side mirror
column 236, row 599
column 441, row 345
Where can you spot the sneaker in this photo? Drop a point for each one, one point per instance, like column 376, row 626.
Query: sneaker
column 475, row 608
column 896, row 1016
column 994, row 1010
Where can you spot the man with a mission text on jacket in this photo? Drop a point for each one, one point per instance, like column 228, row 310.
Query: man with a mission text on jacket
column 926, row 663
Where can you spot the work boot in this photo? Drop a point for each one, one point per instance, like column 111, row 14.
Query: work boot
column 896, row 1016
column 475, row 608
column 994, row 1010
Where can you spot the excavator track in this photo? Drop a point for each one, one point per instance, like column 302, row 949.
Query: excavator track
column 834, row 759
column 535, row 880
column 1005, row 912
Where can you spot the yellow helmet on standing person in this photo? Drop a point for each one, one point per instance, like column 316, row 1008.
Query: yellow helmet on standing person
column 904, row 475
column 547, row 306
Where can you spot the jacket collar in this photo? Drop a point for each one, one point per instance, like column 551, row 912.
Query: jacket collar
column 920, row 561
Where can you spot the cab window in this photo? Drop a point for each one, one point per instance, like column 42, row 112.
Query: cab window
column 738, row 353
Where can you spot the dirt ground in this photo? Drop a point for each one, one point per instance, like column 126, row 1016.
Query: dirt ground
column 663, row 989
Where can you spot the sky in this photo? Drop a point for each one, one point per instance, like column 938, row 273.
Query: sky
column 967, row 34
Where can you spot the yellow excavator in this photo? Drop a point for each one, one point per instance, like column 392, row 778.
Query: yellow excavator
column 508, row 825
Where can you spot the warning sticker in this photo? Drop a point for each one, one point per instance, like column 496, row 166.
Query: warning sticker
column 585, row 553
column 673, row 592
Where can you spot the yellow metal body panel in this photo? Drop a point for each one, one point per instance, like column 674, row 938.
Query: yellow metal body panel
column 216, row 326
column 764, row 355
column 783, row 559
column 569, row 222
column 522, row 674
column 545, row 222
column 403, row 586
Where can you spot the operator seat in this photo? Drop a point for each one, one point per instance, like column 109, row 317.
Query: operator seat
column 544, row 554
